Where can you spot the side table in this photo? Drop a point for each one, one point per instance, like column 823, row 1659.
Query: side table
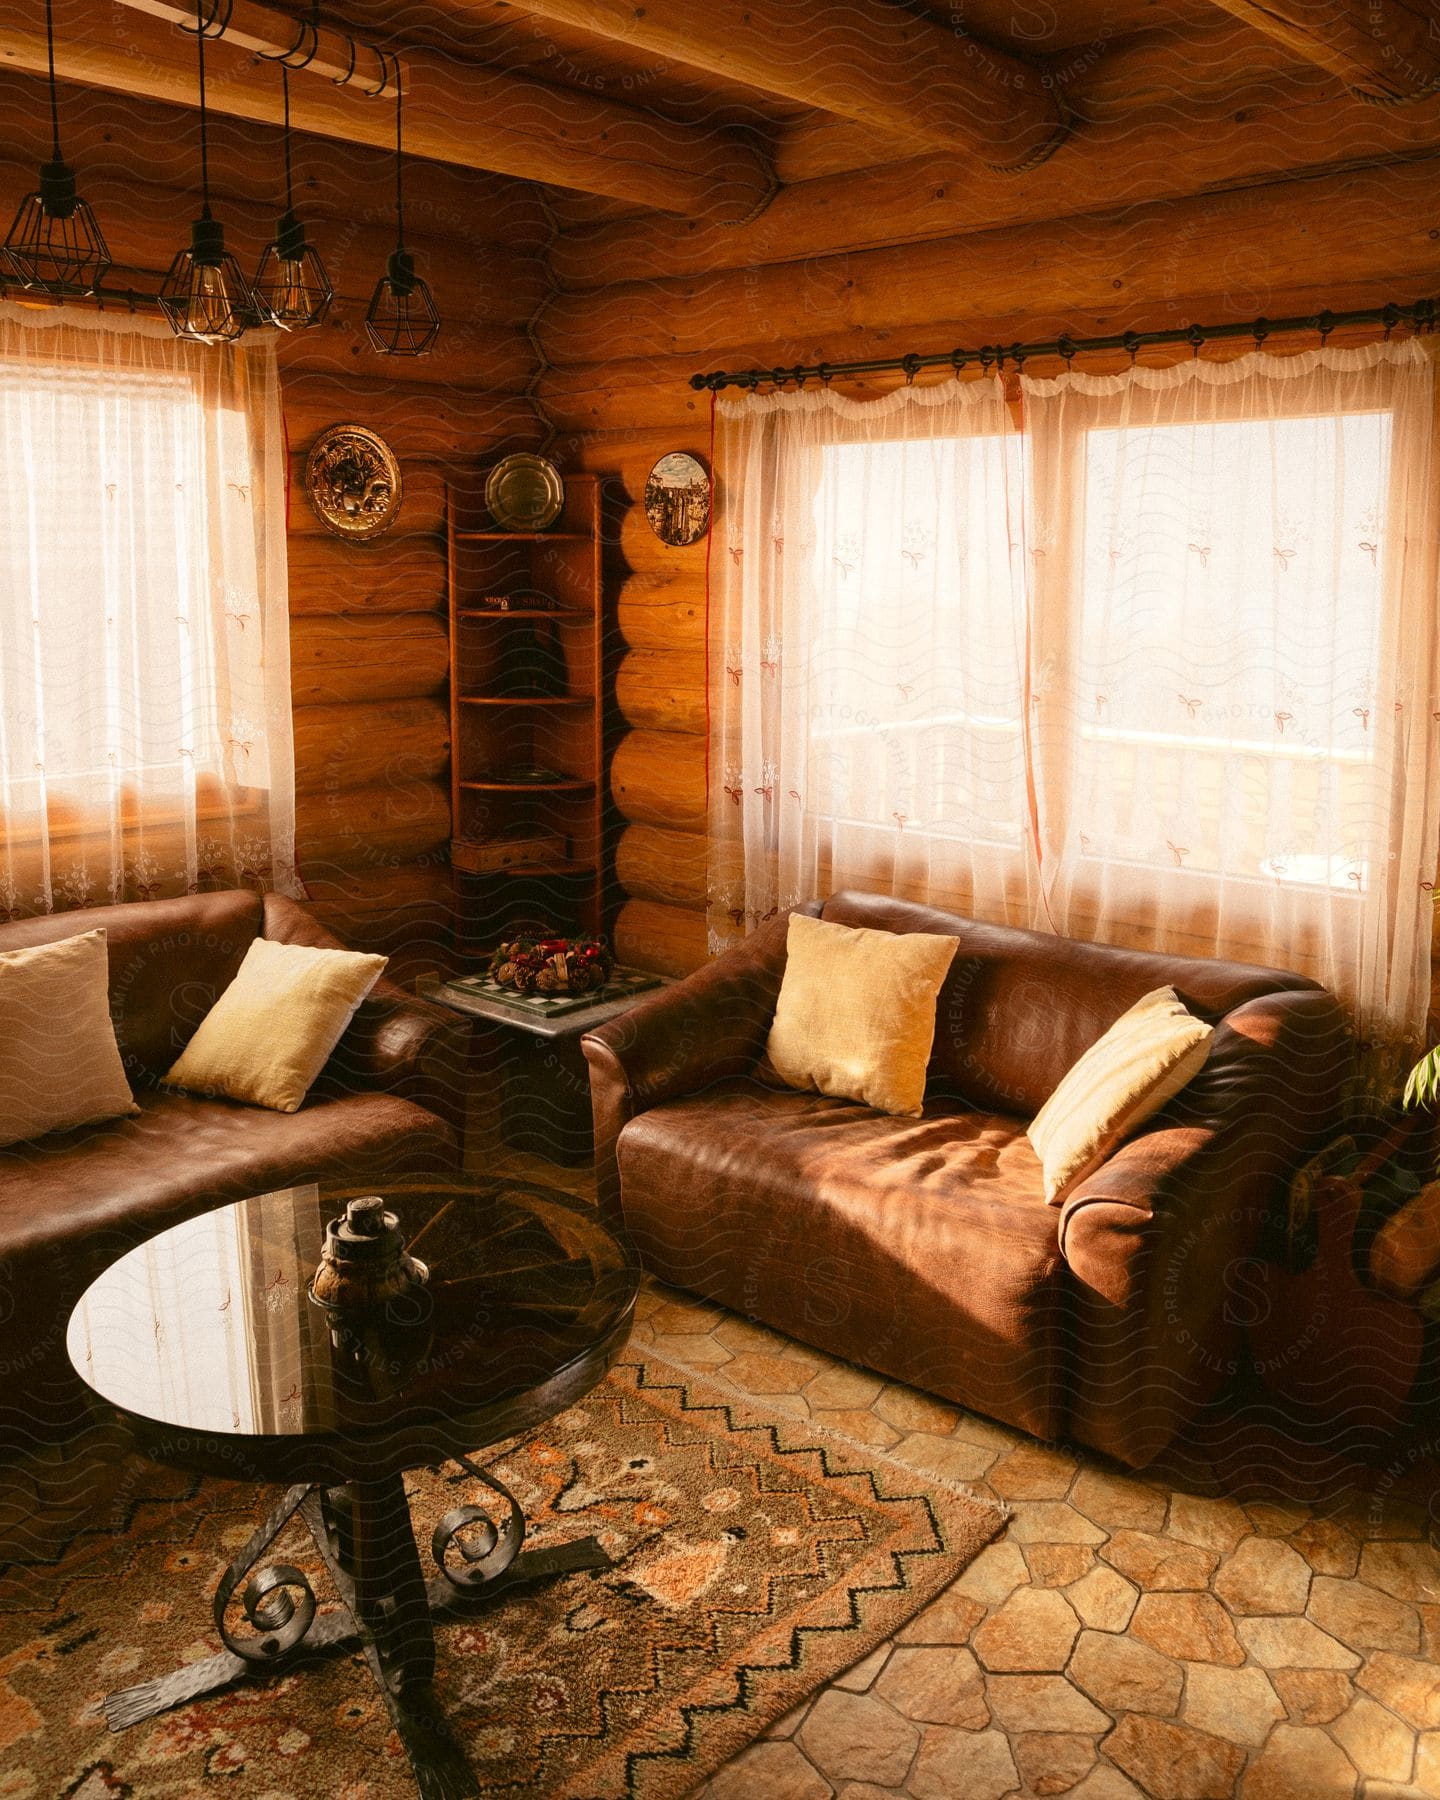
column 544, row 1082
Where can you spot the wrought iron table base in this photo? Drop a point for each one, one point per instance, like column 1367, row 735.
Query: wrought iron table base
column 365, row 1539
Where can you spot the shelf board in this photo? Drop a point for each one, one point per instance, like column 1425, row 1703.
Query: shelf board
column 525, row 612
column 530, row 700
column 571, row 784
column 521, row 537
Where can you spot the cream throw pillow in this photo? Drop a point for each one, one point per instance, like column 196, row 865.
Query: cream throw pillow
column 271, row 1032
column 59, row 1063
column 856, row 1013
column 1143, row 1060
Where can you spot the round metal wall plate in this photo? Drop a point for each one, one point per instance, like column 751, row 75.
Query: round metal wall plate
column 524, row 493
column 353, row 484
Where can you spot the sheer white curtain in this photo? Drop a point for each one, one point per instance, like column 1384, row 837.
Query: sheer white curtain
column 867, row 655
column 1234, row 583
column 1159, row 669
column 145, row 740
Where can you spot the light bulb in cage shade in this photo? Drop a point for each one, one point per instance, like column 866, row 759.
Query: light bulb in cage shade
column 291, row 287
column 402, row 319
column 204, row 294
column 55, row 245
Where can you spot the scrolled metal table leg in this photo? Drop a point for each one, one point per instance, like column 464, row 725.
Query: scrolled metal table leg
column 281, row 1624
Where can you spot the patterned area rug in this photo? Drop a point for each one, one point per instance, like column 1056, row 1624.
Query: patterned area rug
column 754, row 1558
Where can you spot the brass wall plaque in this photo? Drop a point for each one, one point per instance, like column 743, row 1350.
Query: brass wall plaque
column 352, row 482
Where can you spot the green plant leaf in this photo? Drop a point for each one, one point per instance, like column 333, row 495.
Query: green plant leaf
column 1423, row 1086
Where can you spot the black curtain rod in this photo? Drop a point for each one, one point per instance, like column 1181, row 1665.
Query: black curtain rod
column 1422, row 315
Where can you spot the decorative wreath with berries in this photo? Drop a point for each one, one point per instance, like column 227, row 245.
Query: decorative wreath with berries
column 553, row 965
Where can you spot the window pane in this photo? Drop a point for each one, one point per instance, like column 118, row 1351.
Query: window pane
column 1228, row 634
column 916, row 659
column 105, row 613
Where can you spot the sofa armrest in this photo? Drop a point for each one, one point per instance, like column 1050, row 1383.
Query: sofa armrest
column 1158, row 1239
column 708, row 1028
column 396, row 1043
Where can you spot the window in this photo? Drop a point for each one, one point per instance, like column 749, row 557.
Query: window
column 144, row 653
column 1150, row 658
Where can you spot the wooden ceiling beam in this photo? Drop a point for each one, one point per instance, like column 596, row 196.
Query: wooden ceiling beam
column 1383, row 50
column 882, row 65
column 1154, row 155
column 456, row 113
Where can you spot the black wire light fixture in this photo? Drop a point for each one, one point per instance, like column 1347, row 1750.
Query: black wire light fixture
column 55, row 245
column 402, row 320
column 204, row 294
column 291, row 287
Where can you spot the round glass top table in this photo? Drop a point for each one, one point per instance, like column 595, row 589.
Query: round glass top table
column 207, row 1343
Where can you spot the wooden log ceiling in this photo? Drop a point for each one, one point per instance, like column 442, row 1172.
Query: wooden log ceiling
column 609, row 196
column 1386, row 49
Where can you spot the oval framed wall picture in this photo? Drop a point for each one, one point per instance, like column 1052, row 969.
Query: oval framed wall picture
column 677, row 499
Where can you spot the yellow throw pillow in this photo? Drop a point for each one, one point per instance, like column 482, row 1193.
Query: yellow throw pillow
column 271, row 1032
column 1143, row 1060
column 856, row 1013
column 59, row 1063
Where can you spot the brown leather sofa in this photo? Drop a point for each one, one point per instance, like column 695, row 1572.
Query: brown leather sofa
column 923, row 1248
column 387, row 1103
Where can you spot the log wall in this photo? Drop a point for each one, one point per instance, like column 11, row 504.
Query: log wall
column 369, row 657
column 896, row 257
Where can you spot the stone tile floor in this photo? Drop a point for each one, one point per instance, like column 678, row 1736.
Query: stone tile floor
column 1191, row 1633
column 1127, row 1635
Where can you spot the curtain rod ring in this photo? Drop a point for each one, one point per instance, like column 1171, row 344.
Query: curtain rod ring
column 307, row 39
column 823, row 371
column 1325, row 324
column 215, row 23
column 385, row 59
column 800, row 377
column 345, row 79
column 911, row 365
column 1260, row 330
column 1195, row 337
column 1068, row 349
column 1391, row 317
column 1131, row 341
column 958, row 360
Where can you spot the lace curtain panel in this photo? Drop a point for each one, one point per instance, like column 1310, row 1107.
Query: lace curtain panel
column 145, row 737
column 1158, row 669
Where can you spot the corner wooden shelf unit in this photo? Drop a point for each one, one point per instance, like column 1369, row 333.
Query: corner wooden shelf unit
column 496, row 726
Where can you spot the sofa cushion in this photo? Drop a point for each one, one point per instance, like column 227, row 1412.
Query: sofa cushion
column 921, row 1247
column 856, row 1014
column 1143, row 1061
column 106, row 1187
column 59, row 1062
column 271, row 1032
column 169, row 959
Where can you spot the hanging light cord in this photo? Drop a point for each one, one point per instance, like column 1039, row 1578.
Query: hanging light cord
column 399, row 139
column 54, row 102
column 285, row 104
column 204, row 134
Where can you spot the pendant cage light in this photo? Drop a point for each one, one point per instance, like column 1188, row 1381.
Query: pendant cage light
column 205, row 295
column 55, row 245
column 291, row 287
column 402, row 319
